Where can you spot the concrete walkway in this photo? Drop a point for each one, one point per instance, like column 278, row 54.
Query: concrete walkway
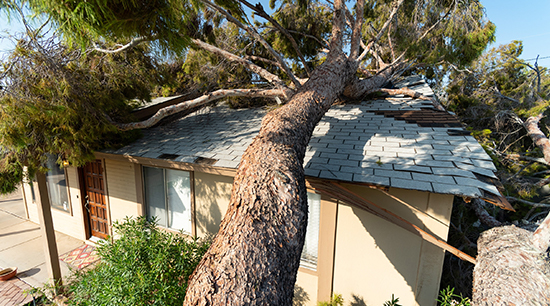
column 21, row 246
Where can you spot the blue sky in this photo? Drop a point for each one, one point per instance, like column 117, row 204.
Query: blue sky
column 515, row 20
column 522, row 20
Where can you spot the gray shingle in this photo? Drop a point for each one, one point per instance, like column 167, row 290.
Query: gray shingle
column 412, row 168
column 457, row 190
column 477, row 183
column 433, row 178
column 409, row 184
column 434, row 163
column 343, row 162
column 384, row 181
column 392, row 174
column 453, row 171
column 226, row 163
column 343, row 176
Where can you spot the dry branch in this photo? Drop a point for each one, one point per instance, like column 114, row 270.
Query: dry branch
column 218, row 94
column 258, row 38
column 483, row 215
column 538, row 137
column 270, row 77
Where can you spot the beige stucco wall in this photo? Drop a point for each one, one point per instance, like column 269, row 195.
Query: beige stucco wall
column 375, row 258
column 120, row 185
column 70, row 223
column 212, row 194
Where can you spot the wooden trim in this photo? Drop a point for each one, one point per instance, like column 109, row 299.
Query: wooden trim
column 193, row 212
column 85, row 213
column 107, row 198
column 153, row 162
column 140, row 191
column 327, row 243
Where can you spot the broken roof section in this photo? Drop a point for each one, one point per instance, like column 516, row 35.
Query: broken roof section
column 393, row 142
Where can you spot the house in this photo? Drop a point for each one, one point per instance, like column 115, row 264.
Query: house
column 382, row 177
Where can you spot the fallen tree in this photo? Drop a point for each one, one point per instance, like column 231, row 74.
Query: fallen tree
column 255, row 256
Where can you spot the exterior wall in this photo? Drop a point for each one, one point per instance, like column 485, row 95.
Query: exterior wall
column 361, row 256
column 212, row 194
column 70, row 223
column 121, row 190
column 375, row 258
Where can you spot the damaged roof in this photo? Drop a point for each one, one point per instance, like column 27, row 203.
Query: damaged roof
column 394, row 142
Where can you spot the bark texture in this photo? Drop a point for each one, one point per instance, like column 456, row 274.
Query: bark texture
column 255, row 256
column 510, row 269
column 538, row 137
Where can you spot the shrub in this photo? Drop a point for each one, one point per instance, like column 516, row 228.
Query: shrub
column 447, row 297
column 145, row 265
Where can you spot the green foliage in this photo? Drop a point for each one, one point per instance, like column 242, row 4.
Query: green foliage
column 11, row 173
column 315, row 21
column 145, row 265
column 57, row 100
column 447, row 297
column 393, row 302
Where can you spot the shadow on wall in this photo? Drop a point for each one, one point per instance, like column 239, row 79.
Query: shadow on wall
column 357, row 301
column 212, row 194
column 402, row 251
column 301, row 298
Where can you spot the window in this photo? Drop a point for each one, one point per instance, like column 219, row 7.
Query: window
column 168, row 197
column 311, row 244
column 57, row 184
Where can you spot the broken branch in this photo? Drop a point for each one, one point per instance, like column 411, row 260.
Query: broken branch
column 218, row 94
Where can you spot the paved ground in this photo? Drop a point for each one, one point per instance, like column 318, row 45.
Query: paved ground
column 21, row 246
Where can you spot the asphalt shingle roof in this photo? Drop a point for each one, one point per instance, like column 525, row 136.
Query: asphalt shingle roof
column 353, row 143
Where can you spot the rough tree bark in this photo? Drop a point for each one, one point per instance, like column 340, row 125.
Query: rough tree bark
column 512, row 267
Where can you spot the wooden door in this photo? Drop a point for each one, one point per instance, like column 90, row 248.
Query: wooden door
column 94, row 200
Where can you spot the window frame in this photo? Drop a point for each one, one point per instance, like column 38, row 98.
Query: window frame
column 145, row 205
column 66, row 187
column 306, row 263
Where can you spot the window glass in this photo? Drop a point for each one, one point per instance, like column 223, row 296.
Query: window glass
column 155, row 194
column 57, row 184
column 168, row 197
column 311, row 244
column 179, row 199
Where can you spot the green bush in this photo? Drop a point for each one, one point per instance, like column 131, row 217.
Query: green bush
column 447, row 297
column 145, row 265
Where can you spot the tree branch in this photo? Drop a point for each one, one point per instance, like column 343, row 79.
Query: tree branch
column 255, row 68
column 134, row 42
column 527, row 202
column 357, row 30
column 413, row 94
column 538, row 137
column 338, row 28
column 258, row 8
column 258, row 38
column 218, row 94
column 541, row 237
column 261, row 59
column 397, row 4
column 482, row 214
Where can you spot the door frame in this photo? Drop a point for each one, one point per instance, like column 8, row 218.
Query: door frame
column 83, row 192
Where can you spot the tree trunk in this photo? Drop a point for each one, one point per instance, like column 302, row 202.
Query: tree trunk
column 512, row 268
column 255, row 256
